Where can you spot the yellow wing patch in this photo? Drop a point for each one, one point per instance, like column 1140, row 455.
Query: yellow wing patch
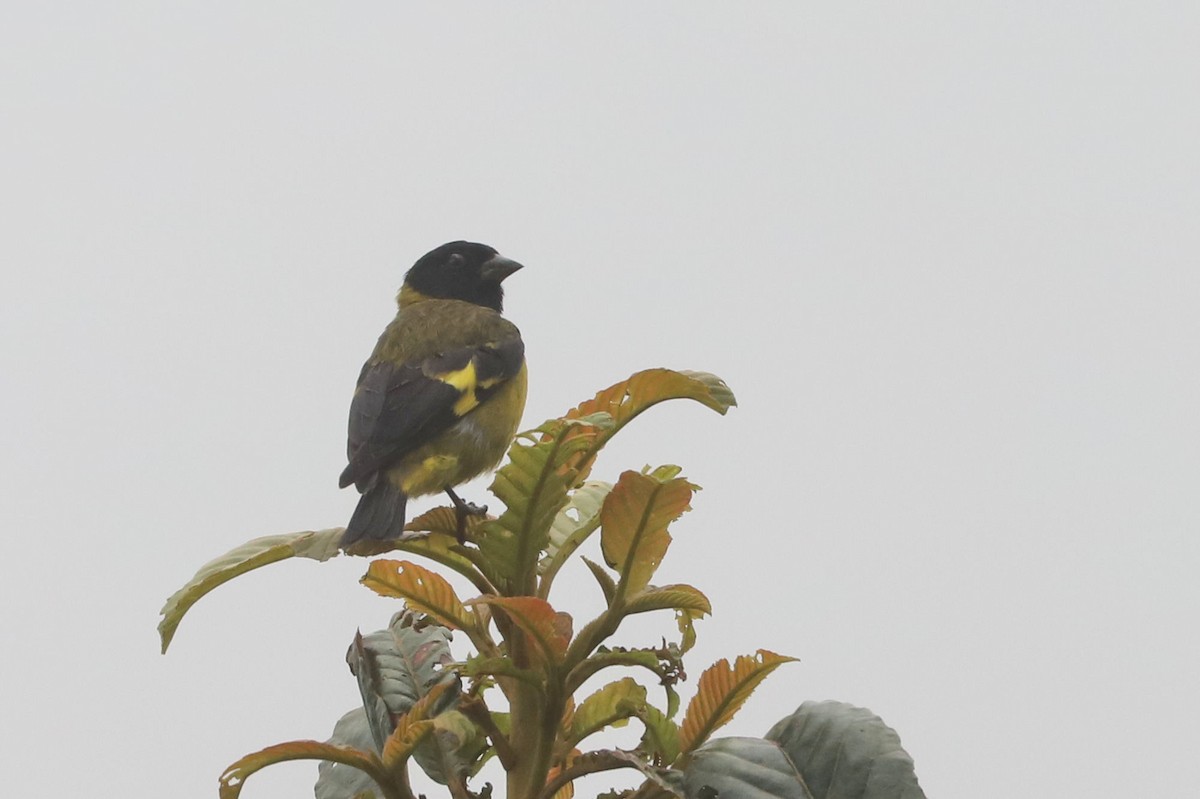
column 465, row 381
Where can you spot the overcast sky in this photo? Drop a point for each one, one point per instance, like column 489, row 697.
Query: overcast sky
column 945, row 254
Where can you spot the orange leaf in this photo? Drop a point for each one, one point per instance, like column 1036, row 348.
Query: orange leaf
column 442, row 520
column 721, row 691
column 235, row 776
column 626, row 400
column 538, row 620
column 421, row 590
column 633, row 524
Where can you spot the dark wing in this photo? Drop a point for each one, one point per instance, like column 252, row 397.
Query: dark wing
column 399, row 407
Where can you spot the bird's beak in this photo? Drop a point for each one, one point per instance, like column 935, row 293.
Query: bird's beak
column 498, row 267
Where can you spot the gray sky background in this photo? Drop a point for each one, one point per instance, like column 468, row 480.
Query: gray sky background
column 945, row 254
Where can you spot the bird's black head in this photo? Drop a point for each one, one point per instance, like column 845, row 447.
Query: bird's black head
column 461, row 270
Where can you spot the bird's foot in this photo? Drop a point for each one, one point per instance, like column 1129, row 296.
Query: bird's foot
column 463, row 510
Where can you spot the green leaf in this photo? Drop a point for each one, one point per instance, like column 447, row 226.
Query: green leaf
column 661, row 739
column 607, row 584
column 397, row 668
column 677, row 597
column 721, row 692
column 318, row 545
column 611, row 706
column 533, row 489
column 626, row 400
column 500, row 667
column 846, row 751
column 738, row 768
column 339, row 781
column 633, row 526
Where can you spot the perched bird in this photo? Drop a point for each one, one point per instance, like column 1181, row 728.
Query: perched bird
column 439, row 400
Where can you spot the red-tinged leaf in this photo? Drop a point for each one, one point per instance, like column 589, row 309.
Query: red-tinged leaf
column 537, row 619
column 235, row 776
column 403, row 741
column 633, row 526
column 721, row 692
column 624, row 401
column 443, row 521
column 318, row 545
column 421, row 589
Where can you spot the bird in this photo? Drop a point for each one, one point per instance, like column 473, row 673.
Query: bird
column 439, row 400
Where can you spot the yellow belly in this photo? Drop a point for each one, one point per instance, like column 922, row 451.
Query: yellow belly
column 474, row 445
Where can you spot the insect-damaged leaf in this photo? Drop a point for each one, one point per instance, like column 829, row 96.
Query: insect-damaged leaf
column 721, row 691
column 397, row 669
column 624, row 401
column 633, row 526
column 572, row 525
column 421, row 589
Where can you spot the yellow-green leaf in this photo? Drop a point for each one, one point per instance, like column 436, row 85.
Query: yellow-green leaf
column 661, row 739
column 538, row 620
column 611, row 706
column 421, row 590
column 633, row 526
column 686, row 621
column 318, row 545
column 533, row 489
column 721, row 691
column 624, row 401
column 235, row 776
column 679, row 597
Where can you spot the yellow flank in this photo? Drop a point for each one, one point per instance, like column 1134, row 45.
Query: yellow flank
column 478, row 442
column 464, row 380
column 430, row 475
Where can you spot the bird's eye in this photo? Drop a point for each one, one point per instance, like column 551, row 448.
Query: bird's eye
column 456, row 260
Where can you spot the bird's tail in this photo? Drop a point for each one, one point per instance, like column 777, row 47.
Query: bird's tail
column 379, row 515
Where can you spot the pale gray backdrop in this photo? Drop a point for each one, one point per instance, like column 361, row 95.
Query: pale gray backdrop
column 945, row 253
